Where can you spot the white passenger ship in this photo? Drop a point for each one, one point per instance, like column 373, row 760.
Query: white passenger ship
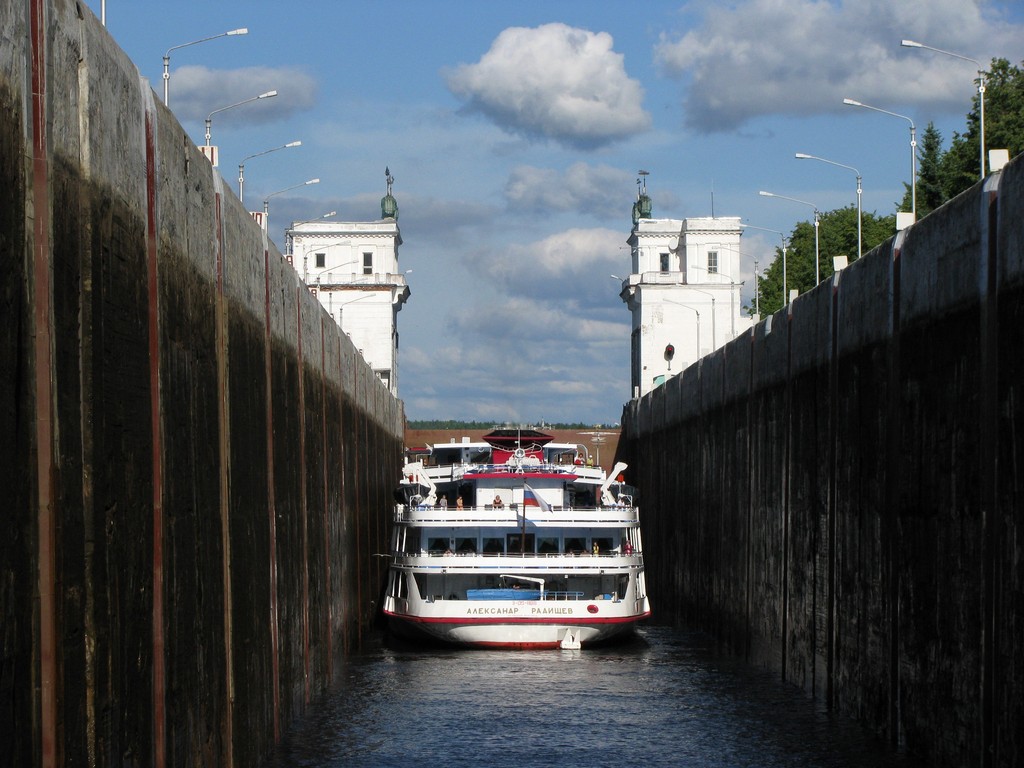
column 514, row 542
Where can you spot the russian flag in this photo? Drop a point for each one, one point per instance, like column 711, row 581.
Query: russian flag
column 533, row 499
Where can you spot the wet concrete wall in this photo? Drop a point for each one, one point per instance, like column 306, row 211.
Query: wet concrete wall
column 196, row 465
column 837, row 494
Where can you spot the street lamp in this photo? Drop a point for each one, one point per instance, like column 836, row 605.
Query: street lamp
column 803, row 156
column 733, row 286
column 241, row 165
column 913, row 150
column 321, row 270
column 714, row 334
column 266, row 200
column 341, row 307
column 209, row 118
column 290, row 233
column 981, row 90
column 167, row 56
column 696, row 312
column 817, row 250
column 757, row 286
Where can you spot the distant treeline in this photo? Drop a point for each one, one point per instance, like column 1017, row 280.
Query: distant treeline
column 489, row 425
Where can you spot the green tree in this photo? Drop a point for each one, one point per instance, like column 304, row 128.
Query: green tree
column 1004, row 128
column 837, row 236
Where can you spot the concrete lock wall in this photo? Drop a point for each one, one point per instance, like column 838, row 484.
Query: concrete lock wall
column 837, row 494
column 185, row 553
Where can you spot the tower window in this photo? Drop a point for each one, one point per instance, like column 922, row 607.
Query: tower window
column 664, row 262
column 321, row 260
column 367, row 263
column 712, row 262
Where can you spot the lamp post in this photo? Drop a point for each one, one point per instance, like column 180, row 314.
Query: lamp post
column 757, row 286
column 305, row 260
column 241, row 165
column 209, row 118
column 803, row 156
column 714, row 334
column 817, row 250
column 981, row 91
column 696, row 312
column 290, row 233
column 913, row 149
column 167, row 56
column 266, row 200
column 341, row 307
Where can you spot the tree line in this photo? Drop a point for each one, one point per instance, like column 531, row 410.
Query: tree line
column 942, row 175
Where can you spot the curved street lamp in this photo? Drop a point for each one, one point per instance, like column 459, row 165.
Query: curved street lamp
column 817, row 221
column 913, row 149
column 757, row 286
column 241, row 165
column 266, row 200
column 209, row 118
column 803, row 156
column 167, row 56
column 696, row 312
column 981, row 90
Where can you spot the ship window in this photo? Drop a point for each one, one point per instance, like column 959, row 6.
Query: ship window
column 436, row 545
column 575, row 546
column 465, row 546
column 547, row 545
column 493, row 546
column 515, row 545
column 604, row 544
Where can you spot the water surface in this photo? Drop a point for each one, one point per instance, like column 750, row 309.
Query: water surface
column 665, row 699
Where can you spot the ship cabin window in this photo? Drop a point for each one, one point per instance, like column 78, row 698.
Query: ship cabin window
column 575, row 546
column 436, row 545
column 605, row 545
column 465, row 546
column 516, row 544
column 547, row 545
column 493, row 546
column 321, row 260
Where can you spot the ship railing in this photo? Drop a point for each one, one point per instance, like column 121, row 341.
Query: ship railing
column 513, row 469
column 513, row 514
column 540, row 561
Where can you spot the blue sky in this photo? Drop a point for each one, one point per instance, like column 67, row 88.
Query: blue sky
column 515, row 131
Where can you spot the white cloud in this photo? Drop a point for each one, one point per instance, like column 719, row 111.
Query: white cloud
column 196, row 91
column 552, row 329
column 555, row 82
column 571, row 268
column 586, row 189
column 801, row 57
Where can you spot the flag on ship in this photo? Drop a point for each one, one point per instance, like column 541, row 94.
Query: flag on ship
column 533, row 499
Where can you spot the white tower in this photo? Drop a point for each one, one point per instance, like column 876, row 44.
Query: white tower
column 352, row 268
column 683, row 291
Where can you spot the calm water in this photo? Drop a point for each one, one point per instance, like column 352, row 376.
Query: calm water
column 665, row 699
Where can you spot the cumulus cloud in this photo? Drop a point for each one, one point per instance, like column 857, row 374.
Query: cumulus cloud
column 819, row 52
column 551, row 329
column 555, row 82
column 582, row 188
column 196, row 91
column 571, row 268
